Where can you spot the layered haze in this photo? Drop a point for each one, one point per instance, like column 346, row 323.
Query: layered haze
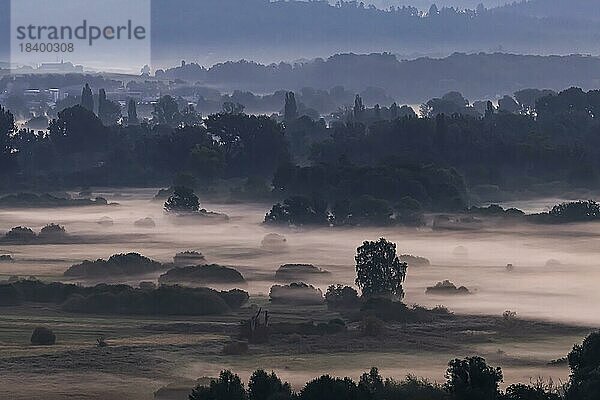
column 554, row 276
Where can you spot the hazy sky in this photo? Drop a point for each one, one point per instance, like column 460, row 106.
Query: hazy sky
column 425, row 4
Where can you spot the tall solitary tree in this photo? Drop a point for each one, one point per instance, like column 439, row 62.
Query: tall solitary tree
column 379, row 271
column 132, row 117
column 291, row 108
column 87, row 98
column 394, row 111
column 359, row 108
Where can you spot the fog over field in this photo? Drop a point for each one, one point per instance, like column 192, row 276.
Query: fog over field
column 534, row 289
column 300, row 200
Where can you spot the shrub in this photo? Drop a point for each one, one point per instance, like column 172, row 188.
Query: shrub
column 183, row 200
column 509, row 319
column 24, row 200
column 341, row 297
column 123, row 299
column 296, row 293
column 39, row 292
column 495, row 210
column 414, row 261
column 298, row 210
column 20, row 234
column 235, row 298
column 296, row 272
column 274, row 242
column 189, row 258
column 116, row 265
column 52, row 231
column 166, row 300
column 447, row 288
column 42, row 336
column 202, row 274
column 145, row 223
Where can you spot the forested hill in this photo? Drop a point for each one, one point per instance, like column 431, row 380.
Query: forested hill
column 217, row 30
column 557, row 9
column 475, row 75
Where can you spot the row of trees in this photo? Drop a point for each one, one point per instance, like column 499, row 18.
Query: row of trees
column 471, row 378
column 374, row 152
column 79, row 149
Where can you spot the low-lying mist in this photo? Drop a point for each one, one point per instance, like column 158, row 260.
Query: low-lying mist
column 553, row 275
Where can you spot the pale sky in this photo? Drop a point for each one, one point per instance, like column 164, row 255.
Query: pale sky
column 425, row 4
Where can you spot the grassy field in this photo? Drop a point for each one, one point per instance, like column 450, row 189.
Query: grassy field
column 145, row 354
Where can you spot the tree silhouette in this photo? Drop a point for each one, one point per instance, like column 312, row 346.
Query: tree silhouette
column 291, row 108
column 473, row 379
column 371, row 385
column 263, row 386
column 132, row 117
column 359, row 108
column 166, row 111
column 7, row 128
column 328, row 388
column 109, row 112
column 87, row 98
column 379, row 270
column 183, row 200
column 227, row 387
column 77, row 129
column 584, row 361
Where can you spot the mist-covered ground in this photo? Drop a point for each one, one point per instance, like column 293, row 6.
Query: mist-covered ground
column 559, row 291
column 554, row 280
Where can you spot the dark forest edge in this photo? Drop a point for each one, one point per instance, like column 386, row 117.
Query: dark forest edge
column 367, row 164
column 122, row 299
column 470, row 378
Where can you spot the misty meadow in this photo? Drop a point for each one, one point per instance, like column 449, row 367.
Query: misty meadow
column 307, row 200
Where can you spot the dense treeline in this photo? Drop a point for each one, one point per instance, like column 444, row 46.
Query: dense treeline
column 122, row 299
column 304, row 29
column 471, row 378
column 376, row 156
column 408, row 81
column 392, row 192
